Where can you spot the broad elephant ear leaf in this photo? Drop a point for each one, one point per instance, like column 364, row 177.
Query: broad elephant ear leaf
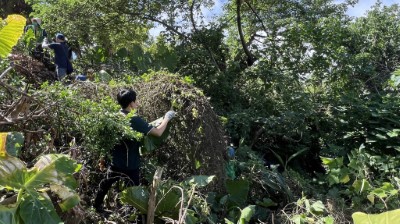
column 137, row 196
column 44, row 171
column 12, row 172
column 38, row 208
column 168, row 203
column 10, row 33
column 7, row 215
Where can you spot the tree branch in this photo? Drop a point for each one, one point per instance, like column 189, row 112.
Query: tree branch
column 256, row 14
column 250, row 58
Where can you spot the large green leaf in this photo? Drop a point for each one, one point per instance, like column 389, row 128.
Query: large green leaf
column 137, row 196
column 10, row 34
column 389, row 217
column 168, row 203
column 238, row 190
column 7, row 215
column 36, row 208
column 43, row 171
column 12, row 172
column 53, row 168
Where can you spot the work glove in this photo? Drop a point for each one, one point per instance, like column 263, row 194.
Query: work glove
column 169, row 115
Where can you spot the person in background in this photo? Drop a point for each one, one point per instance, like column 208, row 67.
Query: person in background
column 125, row 162
column 38, row 31
column 61, row 54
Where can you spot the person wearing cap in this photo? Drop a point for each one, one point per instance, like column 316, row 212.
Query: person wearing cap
column 39, row 32
column 61, row 54
column 125, row 163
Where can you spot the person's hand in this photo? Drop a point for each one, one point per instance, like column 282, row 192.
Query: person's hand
column 169, row 115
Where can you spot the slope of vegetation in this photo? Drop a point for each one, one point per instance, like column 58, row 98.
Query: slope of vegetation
column 287, row 112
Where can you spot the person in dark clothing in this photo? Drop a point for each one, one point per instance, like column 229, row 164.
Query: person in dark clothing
column 61, row 54
column 125, row 164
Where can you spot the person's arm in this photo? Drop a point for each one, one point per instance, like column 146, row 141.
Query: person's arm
column 159, row 130
column 45, row 43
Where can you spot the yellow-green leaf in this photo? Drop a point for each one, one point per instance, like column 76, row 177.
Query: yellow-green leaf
column 383, row 218
column 3, row 139
column 10, row 33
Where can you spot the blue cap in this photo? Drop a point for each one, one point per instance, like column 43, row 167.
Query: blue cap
column 60, row 36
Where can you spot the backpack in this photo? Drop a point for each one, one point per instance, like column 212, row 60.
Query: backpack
column 70, row 69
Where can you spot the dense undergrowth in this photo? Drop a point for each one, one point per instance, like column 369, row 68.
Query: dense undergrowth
column 302, row 127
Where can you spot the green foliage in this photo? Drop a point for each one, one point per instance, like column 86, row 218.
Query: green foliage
column 98, row 123
column 55, row 170
column 170, row 197
column 10, row 33
column 29, row 40
column 245, row 215
column 317, row 89
column 237, row 190
column 15, row 142
column 385, row 217
column 309, row 211
column 361, row 184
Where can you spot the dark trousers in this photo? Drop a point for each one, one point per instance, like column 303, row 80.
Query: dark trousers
column 130, row 178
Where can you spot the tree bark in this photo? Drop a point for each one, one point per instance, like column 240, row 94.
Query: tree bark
column 250, row 58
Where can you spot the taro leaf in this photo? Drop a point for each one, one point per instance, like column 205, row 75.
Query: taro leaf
column 7, row 215
column 10, row 33
column 55, row 169
column 43, row 171
column 36, row 208
column 238, row 190
column 389, row 217
column 69, row 199
column 247, row 213
column 12, row 172
column 200, row 181
column 137, row 196
column 168, row 203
